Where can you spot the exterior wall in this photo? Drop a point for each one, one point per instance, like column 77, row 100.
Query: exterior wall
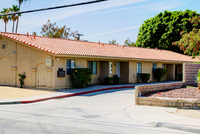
column 190, row 71
column 96, row 77
column 24, row 59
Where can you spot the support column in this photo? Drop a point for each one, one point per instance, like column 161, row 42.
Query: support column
column 49, row 71
column 33, row 71
column 174, row 75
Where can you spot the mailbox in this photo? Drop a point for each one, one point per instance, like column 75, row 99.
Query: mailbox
column 60, row 72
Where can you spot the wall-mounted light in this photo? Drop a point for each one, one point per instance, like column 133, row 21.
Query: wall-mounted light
column 148, row 62
column 57, row 59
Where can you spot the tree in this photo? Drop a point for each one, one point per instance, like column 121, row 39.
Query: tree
column 52, row 30
column 129, row 43
column 163, row 29
column 34, row 33
column 190, row 42
column 5, row 18
column 14, row 17
column 20, row 2
column 112, row 42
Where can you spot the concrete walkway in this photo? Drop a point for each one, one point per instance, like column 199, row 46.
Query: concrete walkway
column 71, row 92
column 148, row 115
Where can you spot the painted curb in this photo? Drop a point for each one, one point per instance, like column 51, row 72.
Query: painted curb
column 64, row 96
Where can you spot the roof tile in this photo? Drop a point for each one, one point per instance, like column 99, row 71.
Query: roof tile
column 71, row 47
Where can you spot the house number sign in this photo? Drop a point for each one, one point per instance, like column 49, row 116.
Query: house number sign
column 48, row 61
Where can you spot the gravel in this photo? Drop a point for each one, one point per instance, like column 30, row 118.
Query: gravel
column 190, row 93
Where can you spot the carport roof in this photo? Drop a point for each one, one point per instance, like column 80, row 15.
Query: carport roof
column 83, row 48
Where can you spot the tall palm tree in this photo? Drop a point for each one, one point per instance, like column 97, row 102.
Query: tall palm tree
column 20, row 2
column 14, row 17
column 5, row 18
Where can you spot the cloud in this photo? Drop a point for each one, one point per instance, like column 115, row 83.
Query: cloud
column 158, row 6
column 113, row 31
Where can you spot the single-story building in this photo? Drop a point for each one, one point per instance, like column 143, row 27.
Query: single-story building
column 41, row 58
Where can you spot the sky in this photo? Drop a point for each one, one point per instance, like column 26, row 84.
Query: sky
column 105, row 21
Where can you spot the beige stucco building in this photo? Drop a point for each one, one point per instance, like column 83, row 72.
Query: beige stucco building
column 41, row 58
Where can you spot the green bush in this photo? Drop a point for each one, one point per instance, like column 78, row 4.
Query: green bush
column 22, row 77
column 160, row 74
column 112, row 80
column 81, row 77
column 108, row 80
column 179, row 77
column 144, row 77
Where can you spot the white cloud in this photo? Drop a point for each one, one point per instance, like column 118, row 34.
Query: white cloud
column 113, row 31
column 33, row 20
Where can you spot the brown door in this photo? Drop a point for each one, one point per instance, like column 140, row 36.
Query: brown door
column 5, row 72
column 41, row 76
column 170, row 72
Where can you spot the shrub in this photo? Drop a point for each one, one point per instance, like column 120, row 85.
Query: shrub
column 81, row 77
column 22, row 77
column 179, row 77
column 112, row 80
column 108, row 80
column 144, row 77
column 160, row 73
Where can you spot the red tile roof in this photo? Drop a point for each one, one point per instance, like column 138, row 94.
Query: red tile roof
column 82, row 48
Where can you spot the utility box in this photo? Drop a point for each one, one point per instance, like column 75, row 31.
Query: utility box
column 60, row 72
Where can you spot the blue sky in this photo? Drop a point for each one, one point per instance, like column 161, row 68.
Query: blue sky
column 113, row 19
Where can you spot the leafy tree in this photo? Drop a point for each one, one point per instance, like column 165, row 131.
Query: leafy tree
column 5, row 18
column 112, row 42
column 190, row 42
column 129, row 43
column 34, row 33
column 52, row 30
column 20, row 2
column 163, row 29
column 14, row 17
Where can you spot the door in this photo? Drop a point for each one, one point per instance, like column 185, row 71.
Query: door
column 41, row 76
column 5, row 72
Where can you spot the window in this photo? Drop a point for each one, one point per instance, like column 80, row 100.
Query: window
column 154, row 66
column 163, row 66
column 70, row 65
column 139, row 67
column 93, row 66
column 111, row 68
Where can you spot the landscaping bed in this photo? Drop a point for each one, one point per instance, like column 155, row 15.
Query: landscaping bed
column 186, row 93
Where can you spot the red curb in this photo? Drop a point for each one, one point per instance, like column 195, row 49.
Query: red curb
column 75, row 94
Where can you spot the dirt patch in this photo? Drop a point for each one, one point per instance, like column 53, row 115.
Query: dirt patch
column 14, row 92
column 191, row 93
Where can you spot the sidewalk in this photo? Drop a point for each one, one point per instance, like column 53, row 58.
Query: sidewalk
column 69, row 93
column 162, row 117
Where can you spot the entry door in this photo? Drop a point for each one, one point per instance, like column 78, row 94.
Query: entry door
column 118, row 68
column 41, row 76
column 5, row 72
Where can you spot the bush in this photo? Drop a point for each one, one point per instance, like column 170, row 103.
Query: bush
column 108, row 80
column 81, row 77
column 22, row 77
column 179, row 77
column 160, row 73
column 112, row 80
column 144, row 77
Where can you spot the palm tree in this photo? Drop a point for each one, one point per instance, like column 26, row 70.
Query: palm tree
column 20, row 2
column 14, row 8
column 5, row 18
